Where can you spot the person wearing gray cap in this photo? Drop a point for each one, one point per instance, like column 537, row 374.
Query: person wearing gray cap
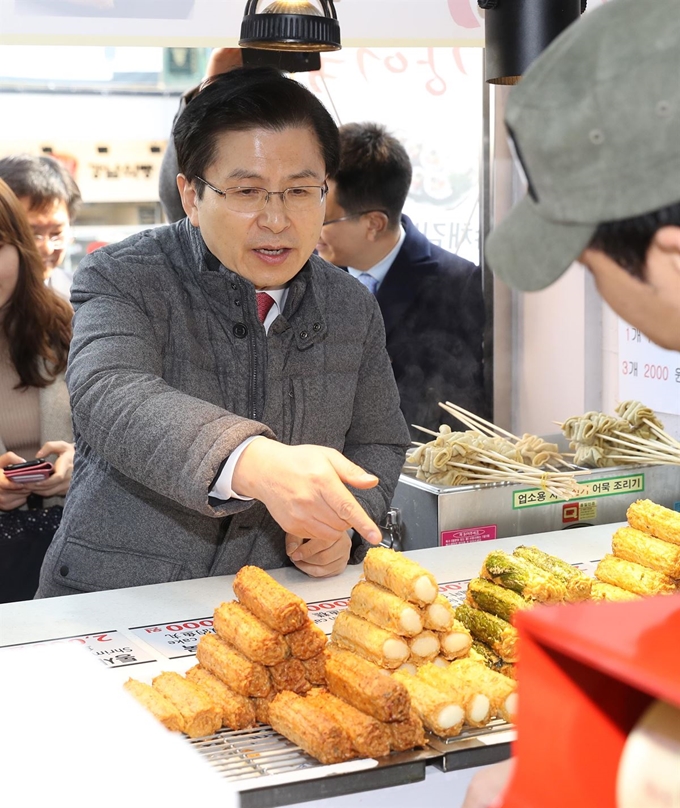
column 596, row 125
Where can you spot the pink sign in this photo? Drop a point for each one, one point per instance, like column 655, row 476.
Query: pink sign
column 465, row 535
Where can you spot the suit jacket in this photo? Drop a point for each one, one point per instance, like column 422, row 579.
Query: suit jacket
column 433, row 308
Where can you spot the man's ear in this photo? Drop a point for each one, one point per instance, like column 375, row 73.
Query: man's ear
column 189, row 198
column 667, row 239
column 377, row 224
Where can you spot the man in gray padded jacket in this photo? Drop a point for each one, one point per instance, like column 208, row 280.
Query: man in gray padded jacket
column 232, row 398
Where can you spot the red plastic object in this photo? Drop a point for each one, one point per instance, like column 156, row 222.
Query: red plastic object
column 586, row 674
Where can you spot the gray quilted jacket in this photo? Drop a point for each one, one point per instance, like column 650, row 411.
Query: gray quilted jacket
column 169, row 371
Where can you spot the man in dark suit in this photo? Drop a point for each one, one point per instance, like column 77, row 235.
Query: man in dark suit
column 431, row 299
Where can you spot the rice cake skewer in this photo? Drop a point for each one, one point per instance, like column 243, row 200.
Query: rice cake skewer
column 368, row 640
column 400, row 575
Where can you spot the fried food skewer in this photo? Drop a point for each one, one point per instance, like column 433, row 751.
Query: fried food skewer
column 400, row 575
column 369, row 641
column 248, row 634
column 164, row 710
column 268, row 600
column 201, row 716
column 239, row 673
column 385, row 609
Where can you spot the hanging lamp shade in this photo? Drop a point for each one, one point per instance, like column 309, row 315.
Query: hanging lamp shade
column 517, row 31
column 292, row 25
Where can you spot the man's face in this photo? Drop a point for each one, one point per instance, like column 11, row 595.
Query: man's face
column 268, row 247
column 652, row 305
column 50, row 226
column 342, row 243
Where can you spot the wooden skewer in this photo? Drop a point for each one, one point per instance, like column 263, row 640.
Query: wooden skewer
column 479, row 420
column 426, row 431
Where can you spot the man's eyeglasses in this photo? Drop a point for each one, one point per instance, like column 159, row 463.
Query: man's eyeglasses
column 354, row 216
column 56, row 240
column 251, row 200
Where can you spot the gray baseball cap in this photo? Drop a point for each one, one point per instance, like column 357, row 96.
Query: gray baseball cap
column 596, row 125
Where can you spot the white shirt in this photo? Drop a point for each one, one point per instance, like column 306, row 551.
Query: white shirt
column 382, row 267
column 222, row 487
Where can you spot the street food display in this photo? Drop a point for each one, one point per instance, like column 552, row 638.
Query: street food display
column 401, row 659
column 486, row 453
column 645, row 557
column 634, row 435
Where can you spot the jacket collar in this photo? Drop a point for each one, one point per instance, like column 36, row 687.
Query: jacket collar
column 302, row 311
column 414, row 261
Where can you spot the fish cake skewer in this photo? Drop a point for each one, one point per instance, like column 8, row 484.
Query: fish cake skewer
column 164, row 710
column 239, row 673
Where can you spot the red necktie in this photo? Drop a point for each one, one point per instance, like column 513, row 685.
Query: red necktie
column 264, row 303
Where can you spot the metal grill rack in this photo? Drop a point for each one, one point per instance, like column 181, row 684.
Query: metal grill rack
column 265, row 763
column 248, row 753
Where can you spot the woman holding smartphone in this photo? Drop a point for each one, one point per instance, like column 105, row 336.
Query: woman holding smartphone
column 35, row 419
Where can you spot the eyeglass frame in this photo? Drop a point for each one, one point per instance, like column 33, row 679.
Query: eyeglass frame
column 355, row 216
column 57, row 242
column 223, row 193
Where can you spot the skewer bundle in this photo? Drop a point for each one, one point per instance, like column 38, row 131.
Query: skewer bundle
column 634, row 436
column 485, row 453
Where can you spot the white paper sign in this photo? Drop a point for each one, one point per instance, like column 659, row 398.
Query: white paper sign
column 648, row 373
column 176, row 639
column 112, row 648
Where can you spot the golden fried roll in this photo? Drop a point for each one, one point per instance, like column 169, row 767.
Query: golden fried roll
column 406, row 734
column 248, row 634
column 164, row 710
column 306, row 642
column 456, row 642
column 369, row 736
column 289, row 675
column 262, row 708
column 576, row 583
column 238, row 711
column 501, row 690
column 424, row 647
column 385, row 609
column 310, row 727
column 240, row 674
column 498, row 634
column 365, row 686
column 440, row 662
column 408, row 667
column 660, row 522
column 634, row 545
column 401, row 575
column 438, row 711
column 369, row 641
column 609, row 592
column 315, row 669
column 439, row 616
column 201, row 716
column 633, row 577
column 477, row 706
column 267, row 599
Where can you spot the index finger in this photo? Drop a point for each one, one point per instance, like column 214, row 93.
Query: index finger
column 350, row 511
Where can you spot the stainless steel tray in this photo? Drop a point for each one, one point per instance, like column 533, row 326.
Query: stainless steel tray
column 271, row 771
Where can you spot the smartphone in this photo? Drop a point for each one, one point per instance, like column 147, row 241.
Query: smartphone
column 31, row 471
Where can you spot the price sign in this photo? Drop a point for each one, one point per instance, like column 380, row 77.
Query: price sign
column 648, row 373
column 112, row 648
column 176, row 639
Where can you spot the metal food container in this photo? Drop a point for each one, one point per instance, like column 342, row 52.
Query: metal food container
column 434, row 516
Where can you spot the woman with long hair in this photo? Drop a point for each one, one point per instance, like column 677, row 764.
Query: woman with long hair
column 35, row 418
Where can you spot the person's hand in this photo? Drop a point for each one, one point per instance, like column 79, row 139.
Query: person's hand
column 56, row 485
column 317, row 557
column 304, row 489
column 12, row 495
column 488, row 786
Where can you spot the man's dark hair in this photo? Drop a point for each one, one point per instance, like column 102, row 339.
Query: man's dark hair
column 249, row 98
column 627, row 241
column 41, row 180
column 375, row 171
